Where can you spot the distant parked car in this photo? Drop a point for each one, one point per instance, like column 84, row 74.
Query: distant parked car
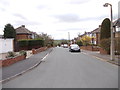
column 65, row 46
column 74, row 47
column 62, row 45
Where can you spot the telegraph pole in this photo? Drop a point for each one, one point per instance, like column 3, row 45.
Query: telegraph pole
column 69, row 37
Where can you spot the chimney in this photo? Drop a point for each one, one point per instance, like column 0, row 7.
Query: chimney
column 23, row 25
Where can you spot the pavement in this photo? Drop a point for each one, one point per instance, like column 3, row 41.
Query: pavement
column 23, row 65
column 103, row 57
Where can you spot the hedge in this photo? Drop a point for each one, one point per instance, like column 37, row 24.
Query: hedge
column 105, row 44
column 31, row 42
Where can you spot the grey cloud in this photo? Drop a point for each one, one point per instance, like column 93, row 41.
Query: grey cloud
column 93, row 18
column 20, row 16
column 78, row 1
column 24, row 22
column 71, row 29
column 71, row 18
column 2, row 9
column 4, row 2
column 41, row 7
column 68, row 18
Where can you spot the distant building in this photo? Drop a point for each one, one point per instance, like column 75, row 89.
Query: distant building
column 116, row 25
column 95, row 36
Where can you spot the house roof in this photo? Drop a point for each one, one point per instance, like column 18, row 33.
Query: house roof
column 97, row 30
column 117, row 23
column 22, row 30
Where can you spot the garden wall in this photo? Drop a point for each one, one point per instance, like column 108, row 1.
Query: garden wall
column 10, row 61
column 35, row 51
column 90, row 48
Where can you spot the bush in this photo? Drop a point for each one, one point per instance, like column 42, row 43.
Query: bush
column 23, row 43
column 117, row 46
column 23, row 53
column 86, row 40
column 79, row 42
column 31, row 42
column 105, row 31
column 105, row 44
column 10, row 54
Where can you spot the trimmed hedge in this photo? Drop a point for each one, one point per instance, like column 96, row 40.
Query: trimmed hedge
column 105, row 44
column 31, row 42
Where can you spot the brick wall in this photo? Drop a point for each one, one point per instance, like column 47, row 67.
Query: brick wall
column 102, row 51
column 90, row 48
column 10, row 61
column 35, row 51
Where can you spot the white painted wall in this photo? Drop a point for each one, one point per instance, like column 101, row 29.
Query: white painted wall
column 6, row 45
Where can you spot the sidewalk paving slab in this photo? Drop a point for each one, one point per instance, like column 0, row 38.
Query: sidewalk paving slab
column 103, row 56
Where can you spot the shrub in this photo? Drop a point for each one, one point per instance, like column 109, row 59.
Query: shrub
column 79, row 42
column 86, row 40
column 31, row 42
column 105, row 29
column 105, row 44
column 23, row 43
column 23, row 53
column 117, row 46
column 10, row 54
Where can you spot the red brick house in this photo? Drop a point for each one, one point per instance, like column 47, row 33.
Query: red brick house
column 23, row 33
column 95, row 36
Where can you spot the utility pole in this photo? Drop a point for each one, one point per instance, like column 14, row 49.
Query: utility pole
column 69, row 37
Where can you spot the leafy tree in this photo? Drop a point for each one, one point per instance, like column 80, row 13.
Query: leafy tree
column 9, row 31
column 48, row 41
column 105, row 29
column 79, row 42
column 86, row 40
column 64, row 41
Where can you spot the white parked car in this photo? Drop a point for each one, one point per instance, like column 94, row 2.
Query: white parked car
column 74, row 47
column 65, row 46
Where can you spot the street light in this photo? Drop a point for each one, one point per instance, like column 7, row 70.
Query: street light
column 112, row 36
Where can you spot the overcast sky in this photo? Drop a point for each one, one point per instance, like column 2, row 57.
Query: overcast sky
column 56, row 17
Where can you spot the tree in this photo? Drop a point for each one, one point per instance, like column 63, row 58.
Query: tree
column 64, row 41
column 9, row 31
column 86, row 40
column 105, row 34
column 48, row 41
column 105, row 29
column 79, row 42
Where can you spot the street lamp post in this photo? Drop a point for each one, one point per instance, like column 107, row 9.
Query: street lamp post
column 112, row 35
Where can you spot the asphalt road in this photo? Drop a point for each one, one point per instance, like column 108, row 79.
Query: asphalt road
column 63, row 69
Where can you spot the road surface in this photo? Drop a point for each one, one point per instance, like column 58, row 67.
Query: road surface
column 63, row 69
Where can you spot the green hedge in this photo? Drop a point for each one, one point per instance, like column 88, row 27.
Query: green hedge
column 31, row 42
column 105, row 44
